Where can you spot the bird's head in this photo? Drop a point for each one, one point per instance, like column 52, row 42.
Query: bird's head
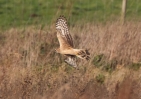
column 57, row 50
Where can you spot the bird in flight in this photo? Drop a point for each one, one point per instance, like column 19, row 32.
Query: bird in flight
column 66, row 43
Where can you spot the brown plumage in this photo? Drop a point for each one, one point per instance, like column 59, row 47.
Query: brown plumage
column 66, row 43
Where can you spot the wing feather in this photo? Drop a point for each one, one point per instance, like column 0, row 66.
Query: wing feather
column 65, row 39
column 71, row 60
column 61, row 25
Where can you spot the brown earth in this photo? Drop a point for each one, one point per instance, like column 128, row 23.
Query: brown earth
column 64, row 86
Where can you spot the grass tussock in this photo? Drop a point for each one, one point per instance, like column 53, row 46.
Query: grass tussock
column 30, row 68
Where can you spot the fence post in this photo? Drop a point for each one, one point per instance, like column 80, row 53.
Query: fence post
column 123, row 13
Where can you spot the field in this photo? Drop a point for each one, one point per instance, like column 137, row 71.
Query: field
column 30, row 68
column 15, row 13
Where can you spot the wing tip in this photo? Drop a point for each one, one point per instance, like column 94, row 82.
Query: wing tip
column 71, row 62
column 61, row 17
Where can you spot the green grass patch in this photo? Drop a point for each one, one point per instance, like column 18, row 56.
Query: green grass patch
column 135, row 66
column 15, row 13
column 100, row 61
column 100, row 78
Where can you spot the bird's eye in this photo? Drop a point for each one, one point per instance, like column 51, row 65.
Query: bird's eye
column 55, row 50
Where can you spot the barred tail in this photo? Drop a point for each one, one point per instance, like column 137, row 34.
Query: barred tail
column 83, row 54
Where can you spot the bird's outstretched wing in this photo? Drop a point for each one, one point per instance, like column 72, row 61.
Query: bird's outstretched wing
column 62, row 27
column 65, row 39
column 71, row 60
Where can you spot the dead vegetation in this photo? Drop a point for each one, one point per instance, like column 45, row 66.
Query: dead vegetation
column 30, row 68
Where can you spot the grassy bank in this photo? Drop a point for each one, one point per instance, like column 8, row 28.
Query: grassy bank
column 34, row 46
column 30, row 69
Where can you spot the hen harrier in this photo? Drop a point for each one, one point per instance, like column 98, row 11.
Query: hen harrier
column 66, row 43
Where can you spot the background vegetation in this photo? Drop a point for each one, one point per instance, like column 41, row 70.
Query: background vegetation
column 44, row 12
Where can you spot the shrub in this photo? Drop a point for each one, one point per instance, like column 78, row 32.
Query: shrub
column 98, row 60
column 135, row 66
column 100, row 78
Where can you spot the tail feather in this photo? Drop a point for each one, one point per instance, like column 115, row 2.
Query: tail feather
column 83, row 54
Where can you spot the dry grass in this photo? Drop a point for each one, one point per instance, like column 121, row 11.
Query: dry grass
column 30, row 69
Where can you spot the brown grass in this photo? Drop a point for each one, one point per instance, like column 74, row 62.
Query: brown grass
column 30, row 69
